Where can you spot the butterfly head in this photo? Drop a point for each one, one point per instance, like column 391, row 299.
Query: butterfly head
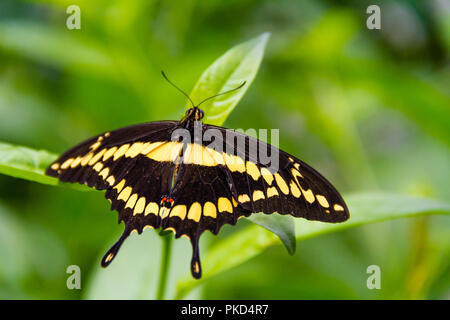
column 194, row 114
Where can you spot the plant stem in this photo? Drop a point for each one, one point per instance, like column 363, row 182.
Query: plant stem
column 165, row 263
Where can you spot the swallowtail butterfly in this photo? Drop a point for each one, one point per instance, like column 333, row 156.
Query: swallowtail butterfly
column 191, row 185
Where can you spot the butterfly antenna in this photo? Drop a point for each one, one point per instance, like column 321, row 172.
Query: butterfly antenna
column 222, row 93
column 184, row 93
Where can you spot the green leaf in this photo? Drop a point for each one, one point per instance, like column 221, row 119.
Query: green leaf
column 237, row 65
column 282, row 225
column 364, row 209
column 374, row 207
column 26, row 163
column 29, row 164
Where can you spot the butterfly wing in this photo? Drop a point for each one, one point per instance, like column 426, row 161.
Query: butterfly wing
column 290, row 187
column 126, row 163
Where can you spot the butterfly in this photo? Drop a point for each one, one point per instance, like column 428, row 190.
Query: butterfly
column 166, row 175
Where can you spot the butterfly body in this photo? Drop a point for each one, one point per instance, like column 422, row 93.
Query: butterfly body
column 189, row 177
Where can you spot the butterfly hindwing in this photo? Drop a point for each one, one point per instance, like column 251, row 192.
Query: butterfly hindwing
column 203, row 202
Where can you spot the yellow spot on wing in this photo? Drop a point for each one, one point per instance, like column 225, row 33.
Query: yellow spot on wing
column 67, row 163
column 197, row 154
column 134, row 150
column 209, row 209
column 151, row 146
column 98, row 166
column 120, row 186
column 140, row 206
column 179, row 211
column 253, row 171
column 308, row 194
column 195, row 212
column 296, row 174
column 152, row 207
column 108, row 154
column 109, row 257
column 271, row 192
column 86, row 158
column 125, row 194
column 111, row 180
column 218, row 157
column 186, row 236
column 104, row 173
column 294, row 189
column 131, row 201
column 168, row 151
column 224, row 204
column 196, row 267
column 243, row 198
column 207, row 158
column 234, row 163
column 76, row 162
column 338, row 207
column 96, row 157
column 121, row 151
column 267, row 176
column 258, row 195
column 281, row 183
column 163, row 212
column 322, row 201
column 95, row 145
column 171, row 229
column 55, row 166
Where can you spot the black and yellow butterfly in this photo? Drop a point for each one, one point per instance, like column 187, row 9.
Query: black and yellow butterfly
column 154, row 180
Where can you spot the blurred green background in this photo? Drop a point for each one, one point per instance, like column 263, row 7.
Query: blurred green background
column 370, row 109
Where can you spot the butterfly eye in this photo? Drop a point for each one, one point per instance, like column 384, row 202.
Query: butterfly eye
column 199, row 114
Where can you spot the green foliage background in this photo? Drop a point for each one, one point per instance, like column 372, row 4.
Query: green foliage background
column 369, row 109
